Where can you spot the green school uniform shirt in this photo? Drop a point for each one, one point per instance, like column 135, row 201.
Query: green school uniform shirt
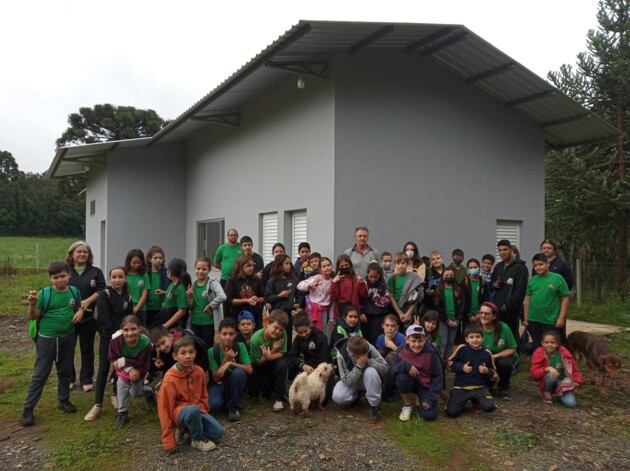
column 449, row 302
column 153, row 300
column 243, row 356
column 400, row 284
column 200, row 301
column 226, row 255
column 474, row 296
column 506, row 340
column 57, row 320
column 137, row 284
column 133, row 352
column 176, row 297
column 255, row 354
column 545, row 292
column 555, row 361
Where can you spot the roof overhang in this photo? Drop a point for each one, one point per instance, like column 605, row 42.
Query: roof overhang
column 76, row 160
column 306, row 48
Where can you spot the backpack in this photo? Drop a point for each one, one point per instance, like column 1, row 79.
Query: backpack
column 33, row 325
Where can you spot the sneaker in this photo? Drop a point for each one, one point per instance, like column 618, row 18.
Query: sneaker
column 375, row 415
column 115, row 402
column 405, row 415
column 121, row 419
column 151, row 402
column 234, row 415
column 67, row 406
column 203, row 445
column 181, row 438
column 88, row 388
column 95, row 411
column 71, row 387
column 27, row 418
column 547, row 399
column 278, row 406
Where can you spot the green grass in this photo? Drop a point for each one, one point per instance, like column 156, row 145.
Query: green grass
column 33, row 252
column 15, row 289
column 612, row 311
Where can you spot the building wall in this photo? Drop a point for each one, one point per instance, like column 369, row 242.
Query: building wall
column 279, row 159
column 422, row 156
column 147, row 201
column 96, row 192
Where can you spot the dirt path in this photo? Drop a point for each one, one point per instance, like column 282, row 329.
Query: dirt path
column 591, row 327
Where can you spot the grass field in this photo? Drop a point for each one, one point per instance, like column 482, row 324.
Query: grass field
column 33, row 252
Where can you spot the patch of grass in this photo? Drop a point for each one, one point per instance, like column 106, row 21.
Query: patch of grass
column 523, row 440
column 612, row 312
column 15, row 370
column 15, row 290
column 33, row 252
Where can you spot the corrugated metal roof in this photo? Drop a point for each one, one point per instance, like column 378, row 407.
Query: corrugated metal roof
column 454, row 47
column 75, row 160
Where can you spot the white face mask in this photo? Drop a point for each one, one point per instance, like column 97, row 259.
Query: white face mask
column 409, row 253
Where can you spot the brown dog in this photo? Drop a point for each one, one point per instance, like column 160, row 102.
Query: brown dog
column 600, row 359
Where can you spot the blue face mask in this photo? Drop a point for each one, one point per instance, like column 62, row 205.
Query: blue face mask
column 473, row 271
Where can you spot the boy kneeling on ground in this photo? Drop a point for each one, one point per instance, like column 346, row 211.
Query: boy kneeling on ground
column 417, row 369
column 361, row 367
column 474, row 368
column 183, row 401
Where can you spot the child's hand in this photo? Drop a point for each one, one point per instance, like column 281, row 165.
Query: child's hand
column 413, row 371
column 553, row 371
column 259, row 275
column 190, row 290
column 266, row 351
column 134, row 375
column 416, row 320
column 316, row 283
column 308, row 369
column 357, row 277
column 157, row 362
column 404, row 317
column 425, row 405
column 252, row 301
column 207, row 309
column 467, row 368
column 229, row 356
column 268, row 306
column 284, row 294
column 389, row 343
column 78, row 316
column 338, row 277
column 115, row 365
column 159, row 292
column 362, row 361
column 276, row 345
column 483, row 369
column 452, row 324
column 32, row 298
column 363, row 318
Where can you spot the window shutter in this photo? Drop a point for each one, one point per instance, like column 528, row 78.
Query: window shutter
column 298, row 230
column 510, row 230
column 269, row 235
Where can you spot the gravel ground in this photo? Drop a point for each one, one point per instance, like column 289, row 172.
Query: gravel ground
column 523, row 434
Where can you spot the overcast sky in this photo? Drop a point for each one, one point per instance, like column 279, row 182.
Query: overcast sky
column 56, row 56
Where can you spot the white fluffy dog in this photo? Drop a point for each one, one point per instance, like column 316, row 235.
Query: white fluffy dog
column 309, row 388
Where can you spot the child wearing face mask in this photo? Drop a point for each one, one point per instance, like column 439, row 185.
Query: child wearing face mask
column 449, row 302
column 475, row 293
column 386, row 265
column 457, row 266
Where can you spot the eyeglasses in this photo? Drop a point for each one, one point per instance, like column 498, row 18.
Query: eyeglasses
column 485, row 313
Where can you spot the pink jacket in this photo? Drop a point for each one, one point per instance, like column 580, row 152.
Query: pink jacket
column 540, row 362
column 319, row 294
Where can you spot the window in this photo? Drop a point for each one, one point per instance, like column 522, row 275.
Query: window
column 93, row 209
column 510, row 230
column 268, row 234
column 210, row 235
column 299, row 231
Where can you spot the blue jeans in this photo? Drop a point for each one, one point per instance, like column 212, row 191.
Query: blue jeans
column 229, row 391
column 198, row 424
column 551, row 383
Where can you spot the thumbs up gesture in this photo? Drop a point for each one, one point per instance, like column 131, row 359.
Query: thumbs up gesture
column 467, row 368
column 483, row 369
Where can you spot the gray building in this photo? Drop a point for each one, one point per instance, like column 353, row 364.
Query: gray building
column 419, row 132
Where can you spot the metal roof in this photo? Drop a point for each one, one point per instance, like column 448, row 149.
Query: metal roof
column 76, row 160
column 307, row 46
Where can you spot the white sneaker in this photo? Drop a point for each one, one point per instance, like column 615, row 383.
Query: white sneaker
column 405, row 414
column 278, row 406
column 204, row 444
column 95, row 411
column 115, row 402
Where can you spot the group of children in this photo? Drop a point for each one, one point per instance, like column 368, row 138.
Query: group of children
column 394, row 332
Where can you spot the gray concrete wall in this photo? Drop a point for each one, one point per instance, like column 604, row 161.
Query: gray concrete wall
column 420, row 155
column 279, row 159
column 146, row 190
column 96, row 190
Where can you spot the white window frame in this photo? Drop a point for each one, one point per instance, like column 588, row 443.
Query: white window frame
column 299, row 230
column 510, row 230
column 269, row 229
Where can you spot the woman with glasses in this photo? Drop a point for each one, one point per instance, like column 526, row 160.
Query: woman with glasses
column 498, row 338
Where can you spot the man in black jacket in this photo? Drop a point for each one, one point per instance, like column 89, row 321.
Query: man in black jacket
column 509, row 279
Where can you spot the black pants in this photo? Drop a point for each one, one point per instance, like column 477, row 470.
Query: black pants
column 511, row 318
column 85, row 333
column 538, row 329
column 103, row 369
column 373, row 327
column 268, row 378
column 504, row 367
column 205, row 333
column 152, row 317
column 459, row 397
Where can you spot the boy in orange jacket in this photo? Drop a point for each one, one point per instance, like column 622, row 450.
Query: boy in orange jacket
column 183, row 401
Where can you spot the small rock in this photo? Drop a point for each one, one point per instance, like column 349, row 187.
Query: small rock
column 322, row 456
column 509, row 464
column 553, row 467
column 293, row 463
column 281, row 441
